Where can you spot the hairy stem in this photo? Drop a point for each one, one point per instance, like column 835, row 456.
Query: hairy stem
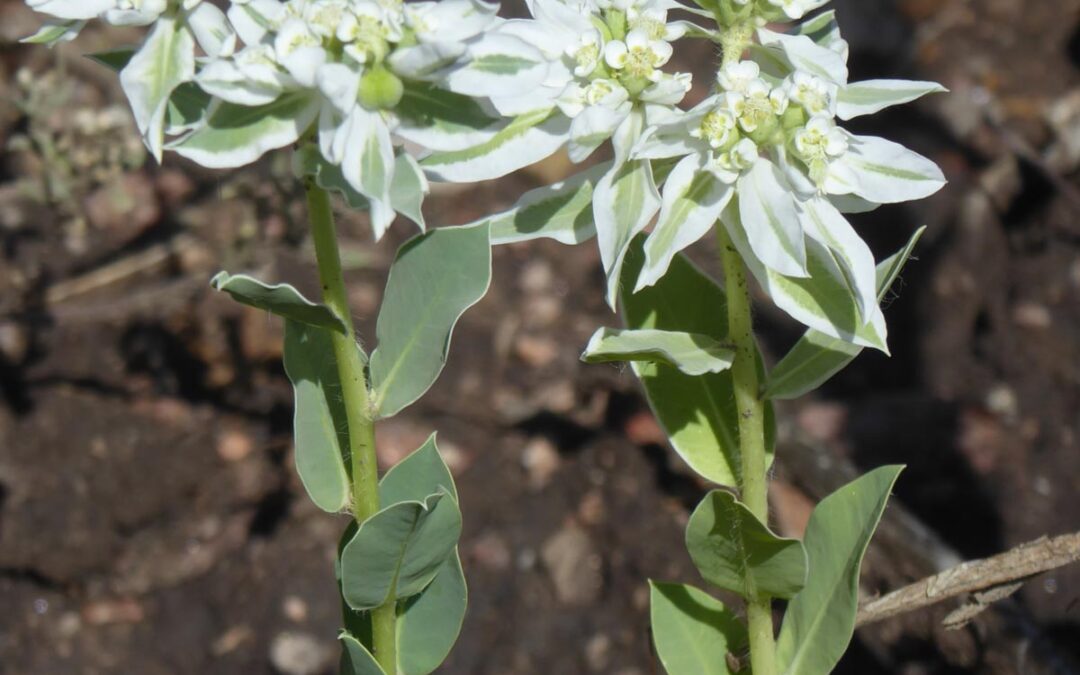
column 753, row 483
column 354, row 393
column 735, row 40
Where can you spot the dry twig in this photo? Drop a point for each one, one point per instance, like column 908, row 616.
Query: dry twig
column 983, row 578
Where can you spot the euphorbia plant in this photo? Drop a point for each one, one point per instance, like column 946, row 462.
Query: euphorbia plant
column 376, row 97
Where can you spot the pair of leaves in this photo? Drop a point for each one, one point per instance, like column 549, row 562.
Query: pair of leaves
column 698, row 413
column 694, row 633
column 419, row 566
column 434, row 279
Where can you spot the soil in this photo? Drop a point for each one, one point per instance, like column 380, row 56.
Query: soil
column 150, row 518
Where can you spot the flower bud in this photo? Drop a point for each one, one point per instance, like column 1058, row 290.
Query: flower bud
column 380, row 89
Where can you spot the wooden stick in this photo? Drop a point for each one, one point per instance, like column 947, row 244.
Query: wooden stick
column 976, row 576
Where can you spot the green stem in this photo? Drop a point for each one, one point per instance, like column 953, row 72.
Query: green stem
column 354, row 393
column 754, row 463
column 735, row 40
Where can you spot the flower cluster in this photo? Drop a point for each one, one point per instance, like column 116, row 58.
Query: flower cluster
column 475, row 96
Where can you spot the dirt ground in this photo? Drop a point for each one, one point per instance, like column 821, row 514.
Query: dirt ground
column 150, row 519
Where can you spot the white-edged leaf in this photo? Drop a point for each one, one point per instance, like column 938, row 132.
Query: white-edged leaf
column 498, row 65
column 280, row 299
column 816, row 357
column 442, row 120
column 691, row 353
column 770, row 219
column 803, row 54
column 692, row 201
column 523, row 141
column 820, row 300
column 825, row 224
column 624, row 202
column 561, row 211
column 870, row 96
column 71, row 9
column 235, row 135
column 885, row 172
column 165, row 61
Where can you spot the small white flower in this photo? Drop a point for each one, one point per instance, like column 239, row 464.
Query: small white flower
column 586, row 54
column 820, row 140
column 639, row 56
column 717, row 128
column 728, row 166
column 814, row 94
column 738, row 76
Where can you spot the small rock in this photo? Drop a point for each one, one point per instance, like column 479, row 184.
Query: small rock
column 300, row 654
column 69, row 624
column 592, row 509
column 231, row 639
column 535, row 351
column 174, row 187
column 491, row 551
column 541, row 460
column 128, row 206
column 537, row 277
column 294, row 608
column 234, row 445
column 574, row 566
column 14, row 342
column 598, row 652
column 823, row 421
column 1002, row 400
column 643, row 429
column 1032, row 315
column 107, row 612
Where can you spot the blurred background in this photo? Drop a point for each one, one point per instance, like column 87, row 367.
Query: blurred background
column 150, row 518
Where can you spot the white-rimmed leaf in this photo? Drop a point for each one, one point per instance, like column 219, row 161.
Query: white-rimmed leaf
column 280, row 299
column 424, row 61
column 434, row 279
column 54, row 31
column 820, row 620
column 561, row 211
column 211, row 30
column 693, row 632
column 816, row 357
column 165, row 60
column 821, row 300
column 691, row 353
column 523, row 141
column 624, row 202
column 498, row 65
column 803, row 54
column 887, row 173
column 235, row 135
column 824, row 31
column 698, row 414
column 870, row 96
column 734, row 550
column 825, row 224
column 398, row 551
column 771, row 219
column 368, row 164
column 693, row 200
column 442, row 120
column 71, row 9
column 320, row 427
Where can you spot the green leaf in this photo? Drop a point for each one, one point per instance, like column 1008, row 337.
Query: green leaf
column 320, row 427
column 435, row 278
column 691, row 353
column 114, row 59
column 820, row 620
column 234, row 135
column 280, row 299
column 398, row 551
column 187, row 108
column 55, row 30
column 429, row 623
column 422, row 474
column 735, row 551
column 356, row 659
column 694, row 633
column 697, row 413
column 816, row 357
column 562, row 211
column 441, row 119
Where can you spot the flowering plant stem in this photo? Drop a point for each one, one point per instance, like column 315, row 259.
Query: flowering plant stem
column 751, row 415
column 354, row 394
